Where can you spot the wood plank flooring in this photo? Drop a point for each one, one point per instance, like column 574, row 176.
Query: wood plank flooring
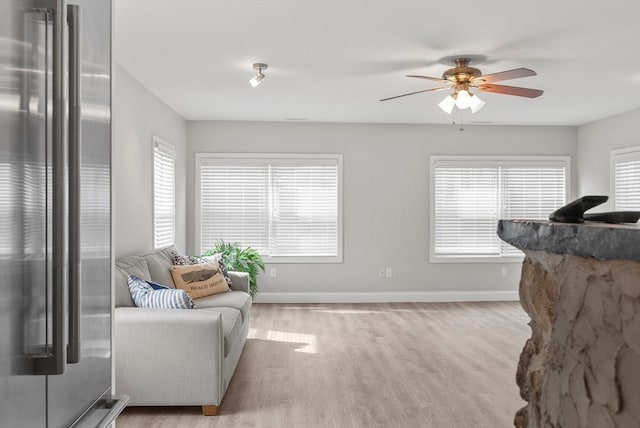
column 431, row 365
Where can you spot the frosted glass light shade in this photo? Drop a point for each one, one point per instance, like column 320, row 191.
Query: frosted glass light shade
column 463, row 100
column 476, row 103
column 256, row 80
column 447, row 104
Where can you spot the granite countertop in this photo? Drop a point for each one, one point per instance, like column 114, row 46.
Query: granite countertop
column 589, row 239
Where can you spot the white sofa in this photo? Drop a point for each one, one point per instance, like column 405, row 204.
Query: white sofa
column 172, row 357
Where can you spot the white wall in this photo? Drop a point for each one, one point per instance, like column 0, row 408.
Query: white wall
column 386, row 184
column 595, row 141
column 137, row 116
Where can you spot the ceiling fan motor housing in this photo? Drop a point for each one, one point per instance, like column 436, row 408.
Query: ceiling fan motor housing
column 461, row 73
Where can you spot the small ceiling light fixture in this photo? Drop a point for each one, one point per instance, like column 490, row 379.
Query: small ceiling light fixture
column 256, row 80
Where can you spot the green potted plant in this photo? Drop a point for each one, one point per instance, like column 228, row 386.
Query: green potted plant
column 239, row 259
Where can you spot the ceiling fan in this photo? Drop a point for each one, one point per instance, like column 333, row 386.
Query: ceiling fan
column 462, row 77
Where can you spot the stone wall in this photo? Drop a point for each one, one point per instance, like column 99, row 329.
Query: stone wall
column 581, row 366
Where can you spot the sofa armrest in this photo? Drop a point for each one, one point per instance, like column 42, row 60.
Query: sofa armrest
column 240, row 281
column 169, row 356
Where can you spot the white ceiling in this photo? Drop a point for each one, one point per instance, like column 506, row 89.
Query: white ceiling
column 332, row 60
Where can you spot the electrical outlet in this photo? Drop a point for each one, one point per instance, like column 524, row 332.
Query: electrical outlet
column 381, row 272
column 504, row 271
column 389, row 272
column 273, row 272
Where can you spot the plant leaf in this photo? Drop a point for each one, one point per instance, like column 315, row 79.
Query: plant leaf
column 240, row 260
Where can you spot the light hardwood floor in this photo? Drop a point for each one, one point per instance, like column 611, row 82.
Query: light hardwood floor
column 432, row 365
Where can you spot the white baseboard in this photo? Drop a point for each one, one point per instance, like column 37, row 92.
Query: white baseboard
column 386, row 297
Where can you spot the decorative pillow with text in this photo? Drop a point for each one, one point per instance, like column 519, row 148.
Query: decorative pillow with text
column 200, row 280
column 183, row 260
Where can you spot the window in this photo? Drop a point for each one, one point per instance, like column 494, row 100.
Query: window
column 287, row 207
column 164, row 193
column 625, row 167
column 470, row 194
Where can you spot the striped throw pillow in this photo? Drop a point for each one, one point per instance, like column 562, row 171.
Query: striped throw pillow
column 146, row 294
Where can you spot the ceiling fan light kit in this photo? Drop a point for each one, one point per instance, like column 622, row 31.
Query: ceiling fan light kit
column 463, row 100
column 256, row 80
column 462, row 77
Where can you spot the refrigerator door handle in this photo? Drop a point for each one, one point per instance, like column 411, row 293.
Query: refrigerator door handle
column 73, row 347
column 53, row 361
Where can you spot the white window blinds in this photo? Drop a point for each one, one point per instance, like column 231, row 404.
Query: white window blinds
column 164, row 192
column 304, row 220
column 530, row 192
column 471, row 195
column 626, row 178
column 234, row 203
column 286, row 207
column 466, row 209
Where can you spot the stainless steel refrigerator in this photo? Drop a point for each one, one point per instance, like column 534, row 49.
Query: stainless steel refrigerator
column 55, row 214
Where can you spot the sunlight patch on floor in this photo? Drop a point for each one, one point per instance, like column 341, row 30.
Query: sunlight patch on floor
column 308, row 342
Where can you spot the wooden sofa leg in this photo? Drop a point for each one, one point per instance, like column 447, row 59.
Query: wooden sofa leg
column 210, row 410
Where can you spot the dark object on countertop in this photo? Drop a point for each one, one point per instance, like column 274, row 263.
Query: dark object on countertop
column 614, row 217
column 573, row 212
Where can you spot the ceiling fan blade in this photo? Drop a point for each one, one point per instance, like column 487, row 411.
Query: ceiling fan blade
column 511, row 90
column 435, row 79
column 412, row 93
column 516, row 73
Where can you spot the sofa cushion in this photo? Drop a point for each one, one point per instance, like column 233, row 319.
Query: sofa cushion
column 199, row 280
column 125, row 266
column 159, row 262
column 233, row 299
column 147, row 294
column 122, row 295
column 231, row 326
